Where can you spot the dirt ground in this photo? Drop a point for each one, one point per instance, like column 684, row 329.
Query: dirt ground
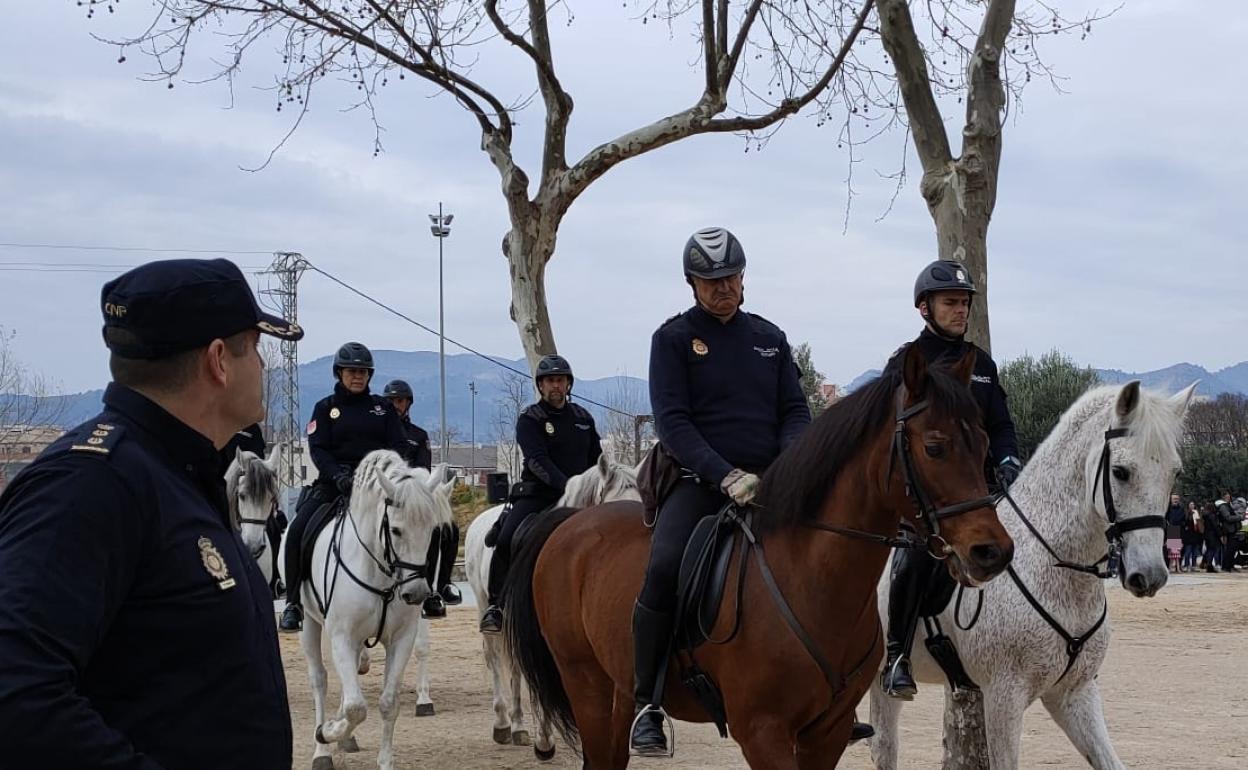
column 1175, row 692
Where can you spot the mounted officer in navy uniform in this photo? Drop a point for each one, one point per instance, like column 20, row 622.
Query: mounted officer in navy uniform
column 727, row 399
column 558, row 439
column 136, row 630
column 444, row 545
column 345, row 426
column 943, row 294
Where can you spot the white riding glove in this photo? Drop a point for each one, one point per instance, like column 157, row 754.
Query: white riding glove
column 740, row 486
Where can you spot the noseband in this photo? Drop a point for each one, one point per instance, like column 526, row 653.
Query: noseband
column 1116, row 529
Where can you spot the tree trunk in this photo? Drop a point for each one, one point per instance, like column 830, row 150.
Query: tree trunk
column 961, row 207
column 528, row 246
column 966, row 747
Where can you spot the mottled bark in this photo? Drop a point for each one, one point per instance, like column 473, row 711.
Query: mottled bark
column 965, row 741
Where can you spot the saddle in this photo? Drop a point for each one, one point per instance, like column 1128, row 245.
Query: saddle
column 937, row 597
column 273, row 531
column 322, row 516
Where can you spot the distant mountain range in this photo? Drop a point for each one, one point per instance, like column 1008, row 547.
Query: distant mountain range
column 420, row 369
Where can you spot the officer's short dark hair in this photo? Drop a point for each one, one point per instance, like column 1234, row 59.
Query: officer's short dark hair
column 171, row 372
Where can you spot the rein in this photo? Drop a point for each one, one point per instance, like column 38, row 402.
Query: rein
column 390, row 567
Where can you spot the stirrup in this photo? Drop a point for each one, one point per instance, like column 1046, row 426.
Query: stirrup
column 669, row 729
column 890, row 689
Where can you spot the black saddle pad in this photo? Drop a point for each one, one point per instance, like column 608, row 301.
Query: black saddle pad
column 703, row 573
column 324, row 514
column 939, row 592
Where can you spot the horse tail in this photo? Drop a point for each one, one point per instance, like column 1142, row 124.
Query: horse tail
column 525, row 643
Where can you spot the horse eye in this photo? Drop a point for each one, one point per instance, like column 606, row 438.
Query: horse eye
column 1121, row 473
column 934, row 450
column 395, row 531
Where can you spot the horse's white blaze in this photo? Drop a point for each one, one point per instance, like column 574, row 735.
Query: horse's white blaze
column 1011, row 652
column 384, row 484
column 604, row 482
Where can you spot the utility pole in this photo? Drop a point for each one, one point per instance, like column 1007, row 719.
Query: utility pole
column 441, row 229
column 288, row 268
column 472, row 464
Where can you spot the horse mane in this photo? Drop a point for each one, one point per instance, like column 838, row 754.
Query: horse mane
column 412, row 491
column 1155, row 422
column 794, row 487
column 259, row 477
column 588, row 488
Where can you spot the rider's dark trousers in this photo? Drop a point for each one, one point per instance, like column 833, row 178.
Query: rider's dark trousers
column 521, row 509
column 684, row 507
column 443, row 548
column 318, row 495
column 913, row 570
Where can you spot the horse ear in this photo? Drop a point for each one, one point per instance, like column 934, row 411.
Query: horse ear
column 387, row 485
column 604, row 465
column 1128, row 399
column 274, row 458
column 965, row 366
column 914, row 372
column 238, row 455
column 1183, row 398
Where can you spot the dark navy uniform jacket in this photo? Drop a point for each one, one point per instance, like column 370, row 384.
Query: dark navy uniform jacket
column 416, row 451
column 724, row 396
column 985, row 386
column 556, row 443
column 136, row 631
column 346, row 426
column 250, row 439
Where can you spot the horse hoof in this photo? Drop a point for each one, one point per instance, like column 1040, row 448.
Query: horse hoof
column 350, row 745
column 424, row 709
column 320, row 736
column 502, row 735
column 323, row 763
column 521, row 738
column 544, row 756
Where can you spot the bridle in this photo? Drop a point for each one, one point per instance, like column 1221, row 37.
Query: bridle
column 262, row 522
column 925, row 510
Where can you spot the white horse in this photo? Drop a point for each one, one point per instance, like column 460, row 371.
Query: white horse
column 604, row 482
column 366, row 582
column 1012, row 652
column 252, row 489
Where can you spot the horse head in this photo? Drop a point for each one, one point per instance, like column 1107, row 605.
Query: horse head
column 1129, row 468
column 937, row 461
column 604, row 482
column 396, row 509
column 252, row 490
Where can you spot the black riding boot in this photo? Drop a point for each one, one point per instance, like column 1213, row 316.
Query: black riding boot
column 652, row 637
column 492, row 619
column 912, row 571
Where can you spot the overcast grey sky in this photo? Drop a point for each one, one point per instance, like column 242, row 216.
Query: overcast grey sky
column 1119, row 235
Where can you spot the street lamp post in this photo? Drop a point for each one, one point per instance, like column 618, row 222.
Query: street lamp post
column 472, row 454
column 441, row 229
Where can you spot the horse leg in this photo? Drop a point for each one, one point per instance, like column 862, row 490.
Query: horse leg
column 365, row 662
column 397, row 654
column 821, row 745
column 353, row 709
column 1004, row 704
column 515, row 715
column 768, row 743
column 593, row 705
column 1080, row 714
column 885, row 718
column 310, row 641
column 424, row 704
column 544, row 748
column 493, row 662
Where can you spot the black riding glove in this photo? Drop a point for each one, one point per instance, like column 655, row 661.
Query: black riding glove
column 343, row 481
column 1007, row 472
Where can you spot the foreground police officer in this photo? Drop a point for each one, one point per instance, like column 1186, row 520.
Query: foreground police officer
column 943, row 294
column 346, row 425
column 727, row 400
column 558, row 439
column 444, row 545
column 135, row 629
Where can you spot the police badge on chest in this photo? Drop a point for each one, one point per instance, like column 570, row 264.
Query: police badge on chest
column 215, row 564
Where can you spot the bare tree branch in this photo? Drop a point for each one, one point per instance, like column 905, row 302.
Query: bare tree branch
column 926, row 125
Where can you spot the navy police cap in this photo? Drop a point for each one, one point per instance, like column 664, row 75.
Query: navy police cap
column 171, row 306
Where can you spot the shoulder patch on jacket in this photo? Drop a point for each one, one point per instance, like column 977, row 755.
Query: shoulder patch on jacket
column 96, row 437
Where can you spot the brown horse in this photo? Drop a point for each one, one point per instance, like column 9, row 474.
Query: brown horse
column 906, row 445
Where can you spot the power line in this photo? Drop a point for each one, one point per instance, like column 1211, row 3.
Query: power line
column 456, row 343
column 96, row 247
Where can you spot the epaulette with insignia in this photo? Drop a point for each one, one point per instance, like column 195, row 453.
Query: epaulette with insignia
column 97, row 438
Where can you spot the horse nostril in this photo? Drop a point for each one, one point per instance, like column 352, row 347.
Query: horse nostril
column 1137, row 583
column 988, row 556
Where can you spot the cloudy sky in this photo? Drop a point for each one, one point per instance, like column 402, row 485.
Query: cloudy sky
column 1119, row 235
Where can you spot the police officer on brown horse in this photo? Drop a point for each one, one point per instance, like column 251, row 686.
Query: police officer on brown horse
column 943, row 294
column 727, row 400
column 559, row 440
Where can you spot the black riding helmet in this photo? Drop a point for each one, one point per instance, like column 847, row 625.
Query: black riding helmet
column 398, row 389
column 943, row 275
column 551, row 365
column 713, row 253
column 353, row 355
